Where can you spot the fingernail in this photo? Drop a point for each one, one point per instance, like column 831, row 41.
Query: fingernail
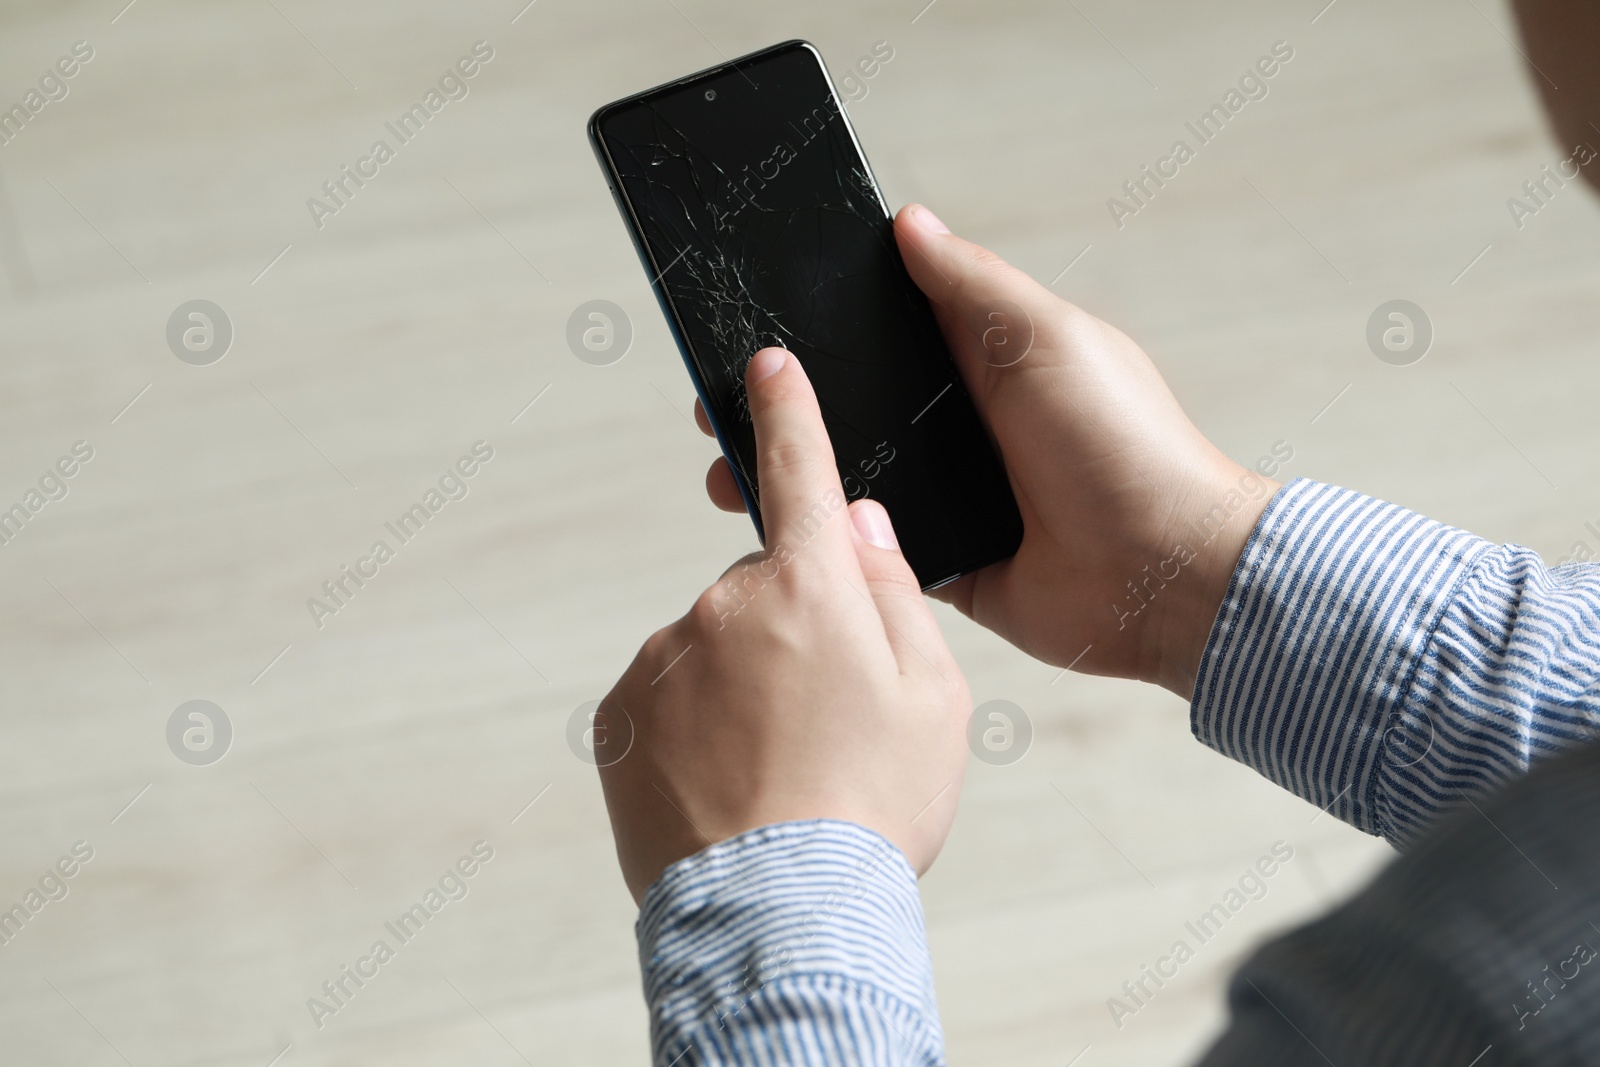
column 872, row 523
column 929, row 221
column 764, row 364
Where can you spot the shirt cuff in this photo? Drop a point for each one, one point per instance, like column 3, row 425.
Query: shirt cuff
column 802, row 938
column 1329, row 614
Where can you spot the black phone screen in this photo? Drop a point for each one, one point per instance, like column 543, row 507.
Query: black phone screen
column 761, row 224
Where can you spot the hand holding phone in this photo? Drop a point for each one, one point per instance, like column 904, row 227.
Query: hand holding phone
column 1135, row 522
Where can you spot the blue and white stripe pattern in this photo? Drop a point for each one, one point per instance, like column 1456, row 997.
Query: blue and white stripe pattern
column 1379, row 664
column 800, row 942
column 1385, row 666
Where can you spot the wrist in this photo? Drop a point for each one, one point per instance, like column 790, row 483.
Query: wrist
column 1209, row 536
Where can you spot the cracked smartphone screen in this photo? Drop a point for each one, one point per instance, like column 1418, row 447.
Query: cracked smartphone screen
column 760, row 224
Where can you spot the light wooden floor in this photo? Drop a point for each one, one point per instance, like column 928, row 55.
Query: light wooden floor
column 431, row 310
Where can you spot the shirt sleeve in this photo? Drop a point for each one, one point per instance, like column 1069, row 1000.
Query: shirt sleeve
column 799, row 942
column 1386, row 667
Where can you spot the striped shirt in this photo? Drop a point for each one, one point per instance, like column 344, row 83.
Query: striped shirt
column 1382, row 666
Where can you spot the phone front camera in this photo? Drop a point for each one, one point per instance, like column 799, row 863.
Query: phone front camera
column 711, row 94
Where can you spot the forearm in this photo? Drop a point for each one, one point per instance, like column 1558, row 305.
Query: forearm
column 1385, row 666
column 798, row 942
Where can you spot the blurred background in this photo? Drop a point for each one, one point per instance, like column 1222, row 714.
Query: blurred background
column 344, row 762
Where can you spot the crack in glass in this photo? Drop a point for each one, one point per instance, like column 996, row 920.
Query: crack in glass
column 722, row 235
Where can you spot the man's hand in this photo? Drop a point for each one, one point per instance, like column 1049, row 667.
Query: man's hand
column 1132, row 521
column 810, row 682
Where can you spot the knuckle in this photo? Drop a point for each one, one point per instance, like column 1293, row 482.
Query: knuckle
column 653, row 646
column 985, row 271
column 806, row 585
column 788, row 457
column 710, row 608
column 983, row 261
column 733, row 592
column 661, row 647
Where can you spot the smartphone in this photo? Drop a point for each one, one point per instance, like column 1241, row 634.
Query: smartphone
column 759, row 223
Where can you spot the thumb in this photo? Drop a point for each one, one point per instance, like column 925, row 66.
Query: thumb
column 990, row 311
column 908, row 623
